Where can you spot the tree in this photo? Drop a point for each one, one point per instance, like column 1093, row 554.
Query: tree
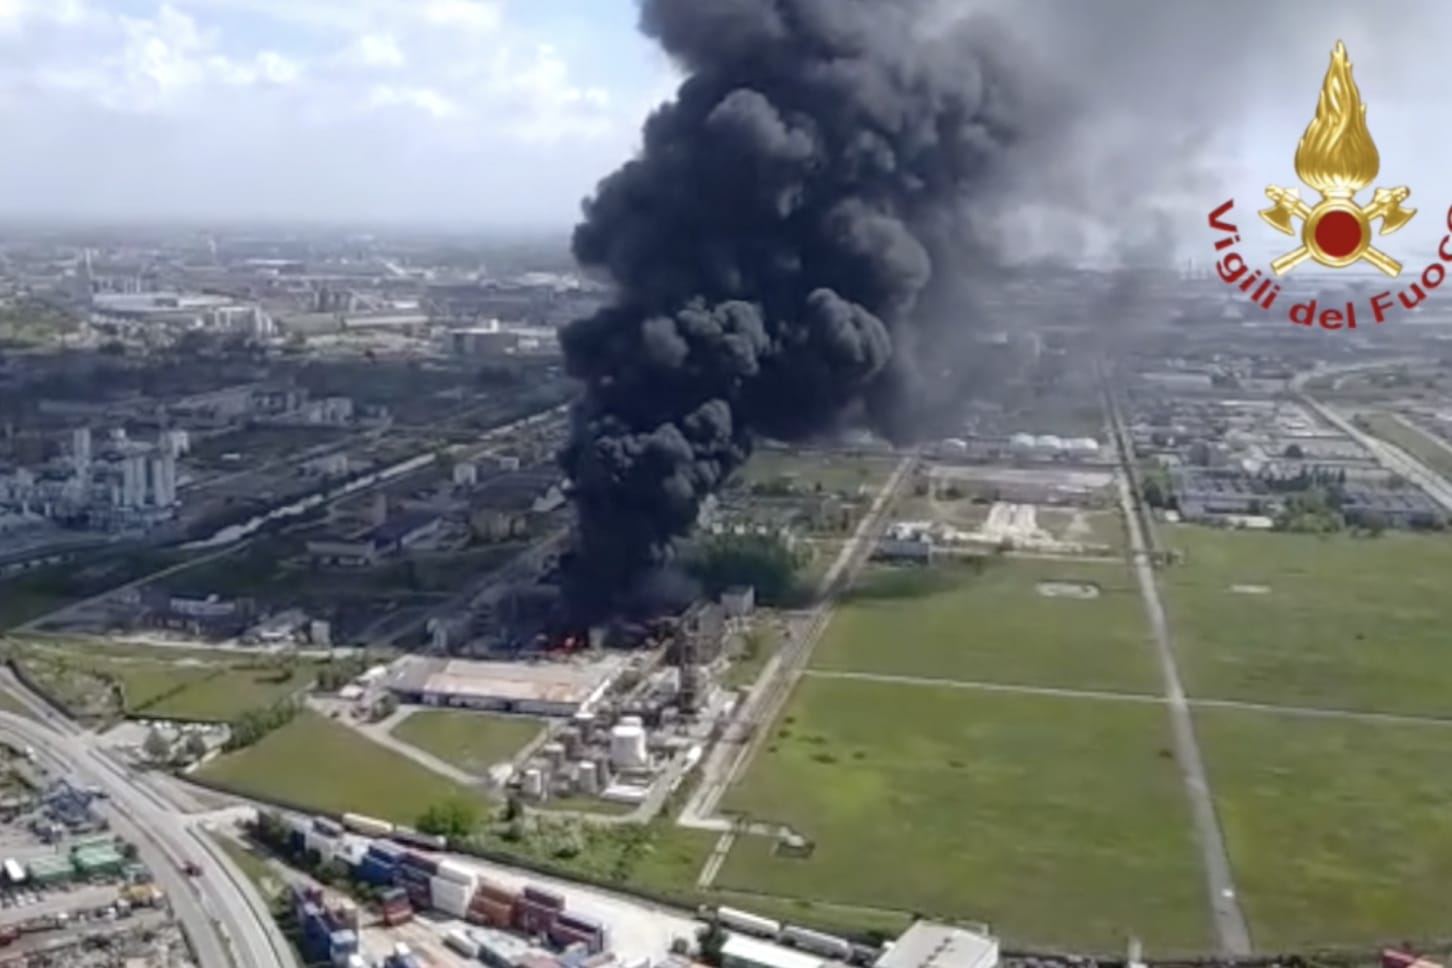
column 455, row 818
column 513, row 807
column 1294, row 452
column 763, row 561
column 156, row 746
column 195, row 747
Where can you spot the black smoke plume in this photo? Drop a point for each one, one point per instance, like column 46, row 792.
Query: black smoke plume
column 778, row 248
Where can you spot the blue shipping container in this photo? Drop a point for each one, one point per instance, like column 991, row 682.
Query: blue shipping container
column 372, row 871
column 382, row 848
column 295, row 840
column 342, row 943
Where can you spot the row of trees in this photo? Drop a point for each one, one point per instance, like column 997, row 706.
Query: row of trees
column 254, row 724
column 764, row 562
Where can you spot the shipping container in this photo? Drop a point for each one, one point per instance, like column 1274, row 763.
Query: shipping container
column 532, row 917
column 396, row 915
column 369, row 826
column 448, row 897
column 386, row 849
column 581, row 922
column 327, row 827
column 373, row 871
column 454, row 871
column 392, row 894
column 544, row 897
column 748, row 923
column 816, row 942
column 341, row 944
column 415, row 839
column 490, row 913
column 463, row 943
column 421, row 862
column 563, row 935
column 496, row 892
column 296, row 840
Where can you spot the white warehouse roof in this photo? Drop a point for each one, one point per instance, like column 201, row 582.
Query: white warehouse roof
column 928, row 944
column 739, row 949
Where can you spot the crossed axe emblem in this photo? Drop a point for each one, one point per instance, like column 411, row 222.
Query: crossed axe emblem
column 1336, row 232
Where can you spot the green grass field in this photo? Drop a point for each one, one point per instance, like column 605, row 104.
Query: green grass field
column 1334, row 622
column 1337, row 829
column 1415, row 442
column 1059, row 821
column 471, row 741
column 805, row 471
column 992, row 624
column 321, row 765
column 225, row 695
column 761, row 643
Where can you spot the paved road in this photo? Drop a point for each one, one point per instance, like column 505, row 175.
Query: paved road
column 1230, row 924
column 228, row 924
column 759, row 708
column 1388, row 455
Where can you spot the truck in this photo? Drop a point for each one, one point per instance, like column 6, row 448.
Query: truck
column 190, row 868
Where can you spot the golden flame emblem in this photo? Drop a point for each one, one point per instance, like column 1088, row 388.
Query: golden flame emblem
column 1338, row 158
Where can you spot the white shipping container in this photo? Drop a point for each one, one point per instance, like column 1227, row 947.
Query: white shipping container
column 449, row 897
column 817, row 942
column 371, row 826
column 454, row 871
column 460, row 941
column 748, row 923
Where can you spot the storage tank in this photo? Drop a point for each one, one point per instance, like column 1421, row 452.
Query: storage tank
column 554, row 753
column 533, row 783
column 1049, row 444
column 1021, row 442
column 570, row 740
column 627, row 745
column 954, row 447
column 631, row 721
column 587, row 778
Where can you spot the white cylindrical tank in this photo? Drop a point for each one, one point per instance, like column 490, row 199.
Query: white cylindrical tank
column 570, row 739
column 630, row 721
column 954, row 446
column 533, row 783
column 627, row 746
column 586, row 777
column 554, row 753
column 1021, row 442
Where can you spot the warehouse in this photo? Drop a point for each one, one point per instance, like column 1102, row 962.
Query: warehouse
column 928, row 944
column 529, row 688
column 739, row 951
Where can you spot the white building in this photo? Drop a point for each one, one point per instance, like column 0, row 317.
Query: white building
column 928, row 944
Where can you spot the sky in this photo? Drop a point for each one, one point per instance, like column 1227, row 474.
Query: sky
column 494, row 112
column 505, row 113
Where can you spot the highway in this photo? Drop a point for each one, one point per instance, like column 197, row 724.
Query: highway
column 226, row 921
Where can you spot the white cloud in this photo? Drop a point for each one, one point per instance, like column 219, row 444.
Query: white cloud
column 473, row 15
column 429, row 101
column 375, row 50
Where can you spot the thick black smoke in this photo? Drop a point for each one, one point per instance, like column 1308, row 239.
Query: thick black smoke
column 773, row 245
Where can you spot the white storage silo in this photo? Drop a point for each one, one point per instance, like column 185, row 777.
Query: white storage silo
column 627, row 745
column 554, row 753
column 533, row 783
column 587, row 778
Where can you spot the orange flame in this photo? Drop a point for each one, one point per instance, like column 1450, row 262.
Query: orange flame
column 1336, row 155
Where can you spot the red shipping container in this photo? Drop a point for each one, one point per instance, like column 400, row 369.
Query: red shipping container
column 492, row 915
column 496, row 893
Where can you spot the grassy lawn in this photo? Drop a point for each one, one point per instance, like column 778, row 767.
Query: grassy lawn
column 226, row 695
column 201, row 685
column 1048, row 818
column 1410, row 439
column 582, row 804
column 471, row 741
column 318, row 764
column 252, row 864
column 989, row 622
column 1335, row 622
column 1337, row 829
column 760, row 644
column 805, row 471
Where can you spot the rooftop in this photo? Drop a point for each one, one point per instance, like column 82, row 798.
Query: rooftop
column 928, row 944
column 557, row 682
column 765, row 953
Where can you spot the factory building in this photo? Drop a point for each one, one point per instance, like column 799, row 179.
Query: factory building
column 535, row 689
column 928, row 944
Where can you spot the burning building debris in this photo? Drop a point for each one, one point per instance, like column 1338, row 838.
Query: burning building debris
column 774, row 248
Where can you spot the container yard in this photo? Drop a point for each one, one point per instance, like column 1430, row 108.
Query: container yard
column 438, row 903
